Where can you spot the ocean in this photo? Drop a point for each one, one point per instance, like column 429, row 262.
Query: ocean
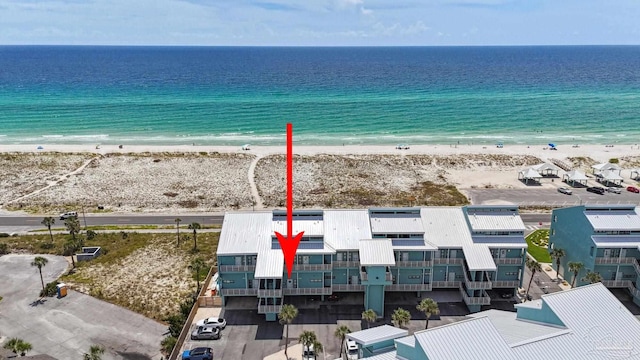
column 333, row 96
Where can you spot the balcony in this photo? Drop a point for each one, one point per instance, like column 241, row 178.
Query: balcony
column 270, row 293
column 414, row 264
column 238, row 292
column 506, row 283
column 408, row 287
column 269, row 309
column 616, row 283
column 347, row 287
column 312, row 267
column 236, row 268
column 447, row 261
column 364, row 276
column 616, row 260
column 308, row 291
column 508, row 261
column 475, row 300
column 346, row 264
column 445, row 284
column 477, row 285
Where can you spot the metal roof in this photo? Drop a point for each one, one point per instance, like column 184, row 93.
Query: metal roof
column 269, row 264
column 515, row 331
column 622, row 219
column 396, row 224
column 606, row 166
column 391, row 355
column 545, row 166
column 376, row 252
column 530, row 174
column 243, row 231
column 343, row 229
column 575, row 175
column 479, row 257
column 377, row 334
column 610, row 175
column 467, row 339
column 496, row 221
column 311, row 227
column 616, row 240
column 496, row 241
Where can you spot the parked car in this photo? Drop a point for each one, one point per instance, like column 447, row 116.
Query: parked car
column 565, row 190
column 350, row 349
column 308, row 353
column 633, row 189
column 68, row 214
column 333, row 297
column 206, row 333
column 614, row 190
column 213, row 321
column 199, row 353
column 596, row 190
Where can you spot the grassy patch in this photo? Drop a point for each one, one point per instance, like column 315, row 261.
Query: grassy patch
column 537, row 243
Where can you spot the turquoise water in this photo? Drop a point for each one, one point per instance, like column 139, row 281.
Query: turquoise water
column 232, row 96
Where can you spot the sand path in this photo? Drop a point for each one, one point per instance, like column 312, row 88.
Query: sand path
column 56, row 182
column 252, row 183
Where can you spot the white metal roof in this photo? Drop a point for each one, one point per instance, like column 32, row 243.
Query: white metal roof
column 269, row 262
column 603, row 220
column 479, row 257
column 396, row 224
column 545, row 166
column 242, row 232
column 606, row 166
column 498, row 241
column 495, row 221
column 343, row 229
column 530, row 174
column 377, row 334
column 376, row 252
column 610, row 175
column 616, row 241
column 311, row 227
column 468, row 339
column 391, row 355
column 576, row 175
column 515, row 331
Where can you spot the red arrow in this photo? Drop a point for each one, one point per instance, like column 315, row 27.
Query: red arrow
column 289, row 244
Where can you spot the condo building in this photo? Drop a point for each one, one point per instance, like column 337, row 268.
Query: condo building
column 472, row 249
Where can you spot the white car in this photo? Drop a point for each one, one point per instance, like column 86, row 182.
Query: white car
column 67, row 215
column 213, row 321
column 350, row 349
column 614, row 190
column 565, row 190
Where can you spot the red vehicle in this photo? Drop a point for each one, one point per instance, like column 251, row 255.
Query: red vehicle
column 633, row 189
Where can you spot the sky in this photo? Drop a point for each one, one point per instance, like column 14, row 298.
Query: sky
column 320, row 22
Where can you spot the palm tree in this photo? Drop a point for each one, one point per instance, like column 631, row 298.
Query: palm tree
column 400, row 317
column 95, row 353
column 48, row 222
column 194, row 226
column 69, row 248
column 428, row 307
column 287, row 313
column 309, row 338
column 196, row 265
column 18, row 346
column 341, row 332
column 369, row 316
column 39, row 262
column 534, row 267
column 575, row 267
column 178, row 220
column 558, row 254
column 592, row 277
column 73, row 226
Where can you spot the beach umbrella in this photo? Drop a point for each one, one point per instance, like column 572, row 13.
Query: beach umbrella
column 552, row 145
column 40, row 148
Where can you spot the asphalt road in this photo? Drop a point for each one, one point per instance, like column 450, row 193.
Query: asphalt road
column 549, row 197
column 65, row 328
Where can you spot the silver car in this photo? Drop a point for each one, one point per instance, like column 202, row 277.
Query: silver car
column 205, row 333
column 565, row 190
column 614, row 190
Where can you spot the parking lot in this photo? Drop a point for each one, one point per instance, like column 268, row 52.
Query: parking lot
column 550, row 197
column 65, row 328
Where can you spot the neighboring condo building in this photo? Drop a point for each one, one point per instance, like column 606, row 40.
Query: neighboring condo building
column 605, row 239
column 473, row 249
column 587, row 323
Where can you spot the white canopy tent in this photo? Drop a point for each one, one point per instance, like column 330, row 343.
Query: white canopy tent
column 608, row 177
column 574, row 176
column 529, row 174
column 635, row 173
column 606, row 166
column 546, row 169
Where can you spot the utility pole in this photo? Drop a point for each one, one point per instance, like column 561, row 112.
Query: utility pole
column 84, row 217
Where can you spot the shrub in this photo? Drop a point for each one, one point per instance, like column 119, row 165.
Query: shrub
column 50, row 289
column 91, row 234
column 614, row 160
column 4, row 249
column 46, row 245
column 4, row 235
column 167, row 344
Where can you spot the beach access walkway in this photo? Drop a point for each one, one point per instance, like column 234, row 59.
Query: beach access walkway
column 257, row 200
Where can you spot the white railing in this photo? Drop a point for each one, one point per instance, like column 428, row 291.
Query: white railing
column 475, row 300
column 307, row 291
column 445, row 284
column 347, row 287
column 474, row 284
column 238, row 292
column 508, row 261
column 443, row 261
column 414, row 264
column 616, row 283
column 269, row 292
column 408, row 287
column 346, row 264
column 236, row 268
column 615, row 260
column 634, row 292
column 506, row 283
column 637, row 267
column 364, row 277
column 269, row 309
column 312, row 267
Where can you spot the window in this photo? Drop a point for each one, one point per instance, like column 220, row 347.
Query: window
column 591, row 251
column 555, row 218
column 228, row 281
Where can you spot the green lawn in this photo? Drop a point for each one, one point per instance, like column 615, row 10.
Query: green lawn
column 537, row 245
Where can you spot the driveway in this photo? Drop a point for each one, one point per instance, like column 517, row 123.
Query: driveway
column 65, row 328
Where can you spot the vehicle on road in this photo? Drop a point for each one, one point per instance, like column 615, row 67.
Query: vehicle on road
column 213, row 321
column 596, row 190
column 614, row 190
column 633, row 189
column 308, row 353
column 565, row 190
column 350, row 349
column 68, row 214
column 206, row 333
column 199, row 353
